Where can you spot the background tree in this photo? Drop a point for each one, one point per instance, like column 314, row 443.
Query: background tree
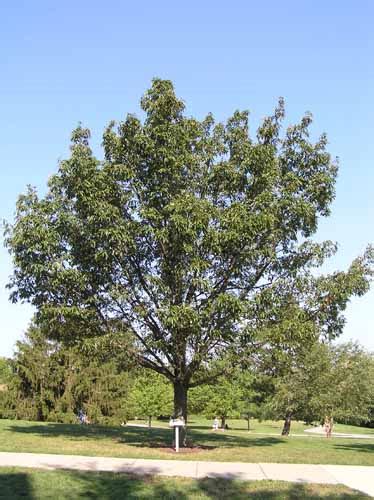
column 325, row 380
column 51, row 381
column 151, row 396
column 303, row 391
column 252, row 391
column 101, row 390
column 5, row 370
column 220, row 399
column 38, row 376
column 190, row 235
column 231, row 395
column 5, row 377
column 351, row 384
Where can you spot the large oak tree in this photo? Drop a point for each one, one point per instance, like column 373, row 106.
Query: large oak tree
column 190, row 235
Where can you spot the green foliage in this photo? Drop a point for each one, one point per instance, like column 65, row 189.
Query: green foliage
column 326, row 380
column 151, row 396
column 37, row 376
column 53, row 382
column 301, row 391
column 5, row 370
column 353, row 389
column 232, row 395
column 101, row 390
column 190, row 235
column 216, row 400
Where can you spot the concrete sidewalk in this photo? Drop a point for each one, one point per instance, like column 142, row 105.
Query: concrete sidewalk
column 359, row 478
column 320, row 431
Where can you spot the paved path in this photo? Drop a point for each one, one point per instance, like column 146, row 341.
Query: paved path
column 359, row 478
column 320, row 430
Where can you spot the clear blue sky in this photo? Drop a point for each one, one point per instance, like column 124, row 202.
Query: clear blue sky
column 90, row 61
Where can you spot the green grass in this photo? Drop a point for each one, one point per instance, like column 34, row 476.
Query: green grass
column 26, row 484
column 261, row 427
column 234, row 445
column 352, row 429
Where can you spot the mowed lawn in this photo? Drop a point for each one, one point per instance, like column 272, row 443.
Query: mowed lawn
column 236, row 444
column 18, row 483
column 261, row 427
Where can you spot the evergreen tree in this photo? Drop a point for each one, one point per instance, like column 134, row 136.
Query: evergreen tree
column 52, row 381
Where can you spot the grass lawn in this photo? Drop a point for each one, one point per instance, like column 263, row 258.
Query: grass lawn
column 264, row 426
column 131, row 442
column 26, row 484
column 352, row 429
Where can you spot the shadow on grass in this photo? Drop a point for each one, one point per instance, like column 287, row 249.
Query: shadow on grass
column 15, row 485
column 35, row 485
column 230, row 489
column 360, row 447
column 77, row 485
column 144, row 437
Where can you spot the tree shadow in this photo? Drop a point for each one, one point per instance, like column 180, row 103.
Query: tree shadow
column 144, row 437
column 75, row 432
column 115, row 485
column 220, row 489
column 88, row 485
column 15, row 486
column 361, row 447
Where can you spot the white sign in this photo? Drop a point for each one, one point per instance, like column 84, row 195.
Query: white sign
column 176, row 422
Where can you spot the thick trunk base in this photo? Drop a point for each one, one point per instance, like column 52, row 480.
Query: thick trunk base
column 180, row 410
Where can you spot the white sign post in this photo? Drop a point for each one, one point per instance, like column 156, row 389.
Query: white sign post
column 177, row 423
column 177, row 439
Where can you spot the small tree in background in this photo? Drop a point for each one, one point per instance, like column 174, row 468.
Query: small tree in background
column 302, row 391
column 151, row 396
column 231, row 395
column 251, row 390
column 352, row 383
column 325, row 381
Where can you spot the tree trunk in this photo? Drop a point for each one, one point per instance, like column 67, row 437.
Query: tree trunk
column 248, row 420
column 180, row 400
column 223, row 422
column 150, row 421
column 180, row 408
column 287, row 425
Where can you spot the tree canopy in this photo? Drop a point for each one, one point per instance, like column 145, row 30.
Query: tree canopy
column 151, row 396
column 192, row 236
column 50, row 381
column 228, row 396
column 325, row 380
column 5, row 370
